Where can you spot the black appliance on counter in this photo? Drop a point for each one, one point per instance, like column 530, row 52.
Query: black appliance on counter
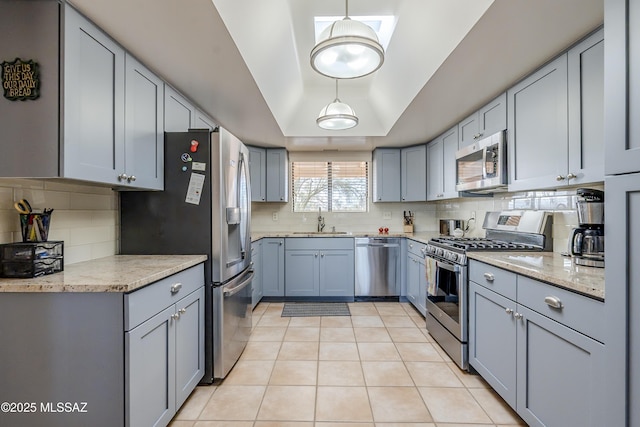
column 447, row 272
column 205, row 208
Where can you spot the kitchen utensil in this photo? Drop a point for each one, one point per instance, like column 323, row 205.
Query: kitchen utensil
column 23, row 206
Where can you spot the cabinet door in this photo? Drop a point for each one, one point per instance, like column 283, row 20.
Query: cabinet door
column 258, row 173
column 93, row 144
column 337, row 273
column 413, row 281
column 537, row 118
column 144, row 135
column 450, row 147
column 622, row 304
column 622, row 86
column 560, row 374
column 277, row 175
column 273, row 267
column 435, row 174
column 256, row 260
column 414, row 173
column 492, row 117
column 202, row 121
column 586, row 110
column 179, row 113
column 468, row 130
column 189, row 328
column 386, row 178
column 492, row 340
column 301, row 273
column 150, row 393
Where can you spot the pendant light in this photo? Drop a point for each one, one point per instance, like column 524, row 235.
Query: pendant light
column 347, row 49
column 337, row 115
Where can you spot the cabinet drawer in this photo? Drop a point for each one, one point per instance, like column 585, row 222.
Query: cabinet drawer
column 578, row 312
column 319, row 243
column 500, row 281
column 140, row 305
column 414, row 247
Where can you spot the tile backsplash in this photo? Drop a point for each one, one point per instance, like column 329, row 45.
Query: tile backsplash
column 427, row 215
column 85, row 217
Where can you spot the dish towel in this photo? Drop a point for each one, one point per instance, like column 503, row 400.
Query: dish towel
column 430, row 269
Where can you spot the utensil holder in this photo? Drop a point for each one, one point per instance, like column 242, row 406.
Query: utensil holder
column 35, row 227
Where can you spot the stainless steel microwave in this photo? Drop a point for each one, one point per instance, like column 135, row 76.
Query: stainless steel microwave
column 482, row 166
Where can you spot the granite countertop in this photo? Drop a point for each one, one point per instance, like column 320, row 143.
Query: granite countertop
column 550, row 267
column 119, row 273
column 421, row 237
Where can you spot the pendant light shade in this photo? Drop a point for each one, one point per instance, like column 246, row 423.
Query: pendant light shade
column 347, row 49
column 337, row 115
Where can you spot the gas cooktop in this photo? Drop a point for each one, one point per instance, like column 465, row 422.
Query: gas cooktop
column 480, row 243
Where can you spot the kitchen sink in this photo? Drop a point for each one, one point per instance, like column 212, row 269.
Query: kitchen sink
column 320, row 232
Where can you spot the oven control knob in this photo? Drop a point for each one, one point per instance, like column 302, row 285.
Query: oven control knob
column 454, row 257
column 439, row 251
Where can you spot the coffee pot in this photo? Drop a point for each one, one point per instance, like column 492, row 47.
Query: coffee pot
column 586, row 244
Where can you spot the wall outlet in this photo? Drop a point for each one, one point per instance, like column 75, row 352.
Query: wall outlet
column 275, row 216
column 386, row 215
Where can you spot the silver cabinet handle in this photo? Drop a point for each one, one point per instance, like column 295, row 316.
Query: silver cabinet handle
column 123, row 177
column 560, row 178
column 553, row 302
column 509, row 311
column 175, row 288
column 316, row 255
column 281, row 242
column 322, row 255
column 571, row 175
column 518, row 316
column 489, row 277
column 182, row 311
column 132, row 178
column 175, row 316
column 411, row 245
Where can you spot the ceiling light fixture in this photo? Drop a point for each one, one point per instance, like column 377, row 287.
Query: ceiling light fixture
column 347, row 49
column 337, row 115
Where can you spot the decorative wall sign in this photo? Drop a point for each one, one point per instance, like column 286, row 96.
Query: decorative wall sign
column 20, row 80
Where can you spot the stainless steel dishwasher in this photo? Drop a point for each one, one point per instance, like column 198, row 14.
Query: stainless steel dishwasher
column 377, row 268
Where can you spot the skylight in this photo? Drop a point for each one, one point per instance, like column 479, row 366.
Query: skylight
column 382, row 25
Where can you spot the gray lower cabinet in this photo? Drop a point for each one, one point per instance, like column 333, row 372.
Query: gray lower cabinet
column 164, row 355
column 256, row 261
column 441, row 166
column 179, row 112
column 413, row 166
column 273, row 267
column 416, row 278
column 386, row 175
column 545, row 362
column 320, row 267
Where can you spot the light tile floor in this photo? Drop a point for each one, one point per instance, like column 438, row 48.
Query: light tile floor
column 377, row 368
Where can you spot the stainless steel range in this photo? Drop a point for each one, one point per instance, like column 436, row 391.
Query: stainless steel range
column 446, row 270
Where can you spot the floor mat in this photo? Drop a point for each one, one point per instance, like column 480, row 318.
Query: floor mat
column 310, row 309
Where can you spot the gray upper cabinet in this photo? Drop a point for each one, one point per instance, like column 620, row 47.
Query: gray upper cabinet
column 144, row 137
column 386, row 175
column 586, row 109
column 277, row 175
column 202, row 121
column 622, row 86
column 537, row 128
column 258, row 173
column 413, row 166
column 179, row 113
column 486, row 121
column 441, row 166
column 94, row 100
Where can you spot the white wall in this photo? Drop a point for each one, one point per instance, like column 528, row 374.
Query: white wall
column 427, row 215
column 85, row 217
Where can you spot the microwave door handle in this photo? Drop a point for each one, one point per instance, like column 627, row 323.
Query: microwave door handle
column 484, row 163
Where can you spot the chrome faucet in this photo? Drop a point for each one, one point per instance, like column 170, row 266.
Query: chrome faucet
column 320, row 220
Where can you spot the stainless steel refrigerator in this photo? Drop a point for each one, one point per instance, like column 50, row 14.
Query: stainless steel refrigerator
column 205, row 208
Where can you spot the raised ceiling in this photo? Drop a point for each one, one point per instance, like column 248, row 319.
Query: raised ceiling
column 246, row 62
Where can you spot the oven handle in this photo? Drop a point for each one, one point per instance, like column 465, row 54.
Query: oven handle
column 454, row 268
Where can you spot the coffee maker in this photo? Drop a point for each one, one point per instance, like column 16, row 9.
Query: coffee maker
column 587, row 241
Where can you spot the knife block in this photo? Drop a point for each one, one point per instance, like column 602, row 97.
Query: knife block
column 408, row 228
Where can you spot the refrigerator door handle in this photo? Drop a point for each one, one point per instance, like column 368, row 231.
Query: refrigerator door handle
column 239, row 287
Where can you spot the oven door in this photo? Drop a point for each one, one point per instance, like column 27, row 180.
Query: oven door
column 447, row 295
